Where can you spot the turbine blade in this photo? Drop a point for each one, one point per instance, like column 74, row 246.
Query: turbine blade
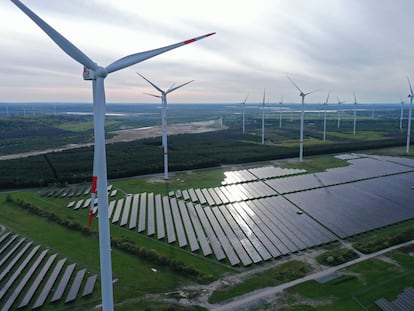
column 244, row 102
column 311, row 92
column 264, row 97
column 156, row 87
column 172, row 85
column 411, row 89
column 355, row 99
column 327, row 98
column 61, row 41
column 177, row 87
column 153, row 95
column 139, row 57
column 294, row 84
column 281, row 100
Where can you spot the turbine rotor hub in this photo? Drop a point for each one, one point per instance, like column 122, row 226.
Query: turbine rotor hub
column 101, row 72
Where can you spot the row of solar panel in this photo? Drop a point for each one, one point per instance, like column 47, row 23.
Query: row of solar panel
column 253, row 174
column 359, row 169
column 23, row 267
column 72, row 191
column 353, row 208
column 243, row 232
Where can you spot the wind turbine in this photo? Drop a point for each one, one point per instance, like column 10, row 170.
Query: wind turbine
column 244, row 117
column 164, row 117
column 402, row 113
column 280, row 112
column 339, row 112
column 411, row 95
column 325, row 104
column 355, row 104
column 302, row 113
column 97, row 74
column 263, row 108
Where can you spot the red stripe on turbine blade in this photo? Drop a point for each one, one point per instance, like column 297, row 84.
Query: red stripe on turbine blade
column 195, row 39
column 94, row 183
column 189, row 41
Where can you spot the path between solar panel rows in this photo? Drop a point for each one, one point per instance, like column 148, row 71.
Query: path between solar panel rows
column 263, row 213
column 32, row 277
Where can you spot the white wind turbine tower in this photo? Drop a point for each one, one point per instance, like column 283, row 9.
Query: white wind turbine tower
column 97, row 74
column 244, row 115
column 402, row 113
column 411, row 95
column 163, row 97
column 325, row 104
column 355, row 104
column 263, row 109
column 302, row 113
column 339, row 112
column 280, row 112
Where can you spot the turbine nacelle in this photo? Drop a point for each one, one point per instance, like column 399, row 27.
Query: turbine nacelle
column 90, row 74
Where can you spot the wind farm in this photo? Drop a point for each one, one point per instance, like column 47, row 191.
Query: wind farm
column 105, row 206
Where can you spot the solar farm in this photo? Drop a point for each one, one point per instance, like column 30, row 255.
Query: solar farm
column 255, row 215
column 263, row 213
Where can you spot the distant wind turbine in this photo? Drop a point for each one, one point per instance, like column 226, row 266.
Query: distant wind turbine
column 355, row 104
column 302, row 113
column 402, row 113
column 339, row 112
column 263, row 109
column 164, row 116
column 411, row 95
column 280, row 112
column 325, row 104
column 244, row 117
column 97, row 74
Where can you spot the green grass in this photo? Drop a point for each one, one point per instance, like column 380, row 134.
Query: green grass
column 135, row 277
column 181, row 180
column 284, row 273
column 370, row 280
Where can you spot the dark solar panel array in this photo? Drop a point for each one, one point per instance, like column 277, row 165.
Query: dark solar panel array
column 403, row 301
column 89, row 285
column 354, row 208
column 63, row 283
column 49, row 284
column 36, row 282
column 23, row 283
column 76, row 284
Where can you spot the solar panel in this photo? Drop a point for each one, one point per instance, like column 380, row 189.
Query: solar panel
column 231, row 255
column 151, row 214
column 374, row 203
column 142, row 212
column 200, row 196
column 78, row 204
column 19, row 270
column 218, row 251
column 182, row 240
column 188, row 226
column 10, row 241
column 193, row 195
column 63, row 283
column 39, row 278
column 201, row 237
column 49, row 284
column 118, row 210
column 241, row 244
column 214, row 196
column 22, row 284
column 15, row 258
column 185, row 194
column 160, row 217
column 86, row 203
column 111, row 209
column 168, row 220
column 74, row 289
column 250, row 230
column 89, row 286
column 208, row 197
column 127, row 208
column 134, row 212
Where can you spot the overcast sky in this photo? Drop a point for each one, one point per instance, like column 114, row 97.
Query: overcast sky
column 345, row 46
